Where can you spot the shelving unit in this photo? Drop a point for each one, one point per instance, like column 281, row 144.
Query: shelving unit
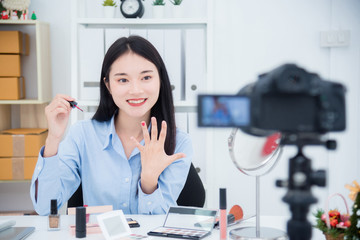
column 185, row 30
column 36, row 68
column 39, row 59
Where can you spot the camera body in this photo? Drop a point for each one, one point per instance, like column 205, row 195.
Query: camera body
column 287, row 99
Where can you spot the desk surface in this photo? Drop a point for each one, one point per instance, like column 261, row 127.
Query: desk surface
column 147, row 223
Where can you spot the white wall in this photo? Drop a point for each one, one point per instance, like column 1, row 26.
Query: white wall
column 251, row 37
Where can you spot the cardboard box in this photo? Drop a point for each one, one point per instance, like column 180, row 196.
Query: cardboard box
column 17, row 168
column 10, row 65
column 22, row 142
column 14, row 42
column 12, row 88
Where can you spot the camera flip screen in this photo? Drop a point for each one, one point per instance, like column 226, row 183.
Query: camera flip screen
column 223, row 111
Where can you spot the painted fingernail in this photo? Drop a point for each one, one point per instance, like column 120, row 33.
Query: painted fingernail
column 143, row 123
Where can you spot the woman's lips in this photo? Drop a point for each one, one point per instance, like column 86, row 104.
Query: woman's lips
column 136, row 102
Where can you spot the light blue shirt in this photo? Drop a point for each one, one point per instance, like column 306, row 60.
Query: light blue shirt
column 92, row 153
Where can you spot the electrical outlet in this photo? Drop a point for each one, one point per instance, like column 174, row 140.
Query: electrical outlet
column 335, row 38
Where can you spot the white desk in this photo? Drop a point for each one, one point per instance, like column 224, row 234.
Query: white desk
column 146, row 223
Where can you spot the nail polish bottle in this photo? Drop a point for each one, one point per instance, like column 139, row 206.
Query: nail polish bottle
column 54, row 217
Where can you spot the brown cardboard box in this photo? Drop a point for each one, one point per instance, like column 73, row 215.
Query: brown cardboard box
column 12, row 88
column 10, row 65
column 14, row 42
column 17, row 168
column 20, row 142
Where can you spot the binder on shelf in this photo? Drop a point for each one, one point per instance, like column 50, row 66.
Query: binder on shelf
column 156, row 37
column 198, row 135
column 112, row 34
column 195, row 63
column 174, row 61
column 91, row 55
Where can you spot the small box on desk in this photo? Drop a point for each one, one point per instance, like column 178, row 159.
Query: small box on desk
column 10, row 65
column 12, row 88
column 22, row 142
column 14, row 42
column 17, row 168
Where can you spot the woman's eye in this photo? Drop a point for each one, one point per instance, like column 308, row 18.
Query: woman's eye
column 122, row 80
column 147, row 78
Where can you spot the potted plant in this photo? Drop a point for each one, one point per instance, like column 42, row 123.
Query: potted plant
column 158, row 8
column 176, row 2
column 109, row 8
column 177, row 10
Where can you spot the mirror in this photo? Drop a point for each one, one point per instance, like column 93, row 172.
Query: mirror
column 255, row 156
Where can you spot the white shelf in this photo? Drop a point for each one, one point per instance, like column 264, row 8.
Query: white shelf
column 136, row 21
column 19, row 22
column 24, row 101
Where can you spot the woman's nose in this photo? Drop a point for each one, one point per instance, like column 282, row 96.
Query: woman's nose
column 136, row 87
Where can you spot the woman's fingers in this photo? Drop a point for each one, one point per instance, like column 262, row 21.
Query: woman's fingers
column 145, row 132
column 154, row 130
column 163, row 132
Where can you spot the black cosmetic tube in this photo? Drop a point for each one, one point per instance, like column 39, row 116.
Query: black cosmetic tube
column 80, row 231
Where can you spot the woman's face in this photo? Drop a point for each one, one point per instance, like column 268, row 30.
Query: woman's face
column 134, row 84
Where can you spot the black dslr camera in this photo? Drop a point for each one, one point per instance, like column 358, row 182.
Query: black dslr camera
column 299, row 105
column 287, row 99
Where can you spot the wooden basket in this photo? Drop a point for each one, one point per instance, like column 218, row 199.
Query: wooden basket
column 339, row 237
column 328, row 236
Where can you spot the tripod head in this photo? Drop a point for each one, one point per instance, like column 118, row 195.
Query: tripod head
column 301, row 179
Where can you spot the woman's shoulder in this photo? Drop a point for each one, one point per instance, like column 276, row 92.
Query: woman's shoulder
column 182, row 136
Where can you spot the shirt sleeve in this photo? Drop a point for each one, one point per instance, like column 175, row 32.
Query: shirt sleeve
column 170, row 183
column 58, row 177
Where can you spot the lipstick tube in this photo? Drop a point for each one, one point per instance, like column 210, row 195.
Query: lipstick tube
column 223, row 217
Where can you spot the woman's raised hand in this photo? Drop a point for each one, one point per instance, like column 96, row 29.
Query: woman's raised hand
column 57, row 115
column 153, row 156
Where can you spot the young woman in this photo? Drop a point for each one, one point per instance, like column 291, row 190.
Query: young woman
column 130, row 155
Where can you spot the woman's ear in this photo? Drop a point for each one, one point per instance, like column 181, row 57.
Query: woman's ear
column 107, row 84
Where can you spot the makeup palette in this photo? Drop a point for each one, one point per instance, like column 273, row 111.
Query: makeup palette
column 187, row 223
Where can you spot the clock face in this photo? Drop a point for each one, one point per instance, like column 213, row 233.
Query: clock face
column 130, row 6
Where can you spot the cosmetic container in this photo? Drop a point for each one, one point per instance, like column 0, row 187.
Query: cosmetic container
column 80, row 228
column 54, row 217
column 223, row 217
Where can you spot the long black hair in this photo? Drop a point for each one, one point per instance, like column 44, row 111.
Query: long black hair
column 163, row 108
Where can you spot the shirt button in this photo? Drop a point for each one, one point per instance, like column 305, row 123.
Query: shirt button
column 124, row 204
column 126, row 179
column 149, row 203
column 39, row 168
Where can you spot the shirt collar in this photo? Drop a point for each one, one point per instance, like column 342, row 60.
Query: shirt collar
column 110, row 132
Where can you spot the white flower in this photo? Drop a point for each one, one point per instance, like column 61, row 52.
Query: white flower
column 16, row 4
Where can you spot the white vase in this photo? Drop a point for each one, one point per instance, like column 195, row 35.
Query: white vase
column 158, row 11
column 109, row 11
column 177, row 11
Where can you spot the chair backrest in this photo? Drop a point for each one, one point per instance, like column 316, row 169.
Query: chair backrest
column 192, row 195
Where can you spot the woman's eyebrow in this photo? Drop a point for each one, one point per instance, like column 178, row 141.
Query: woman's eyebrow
column 146, row 71
column 120, row 74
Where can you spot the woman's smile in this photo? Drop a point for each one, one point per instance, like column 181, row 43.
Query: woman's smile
column 136, row 102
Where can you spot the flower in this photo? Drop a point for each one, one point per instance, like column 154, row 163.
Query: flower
column 338, row 222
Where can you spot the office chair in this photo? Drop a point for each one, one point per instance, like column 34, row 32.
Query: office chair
column 192, row 195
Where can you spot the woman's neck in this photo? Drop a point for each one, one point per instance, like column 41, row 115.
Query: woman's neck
column 130, row 126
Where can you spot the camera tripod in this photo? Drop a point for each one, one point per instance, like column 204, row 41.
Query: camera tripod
column 301, row 178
